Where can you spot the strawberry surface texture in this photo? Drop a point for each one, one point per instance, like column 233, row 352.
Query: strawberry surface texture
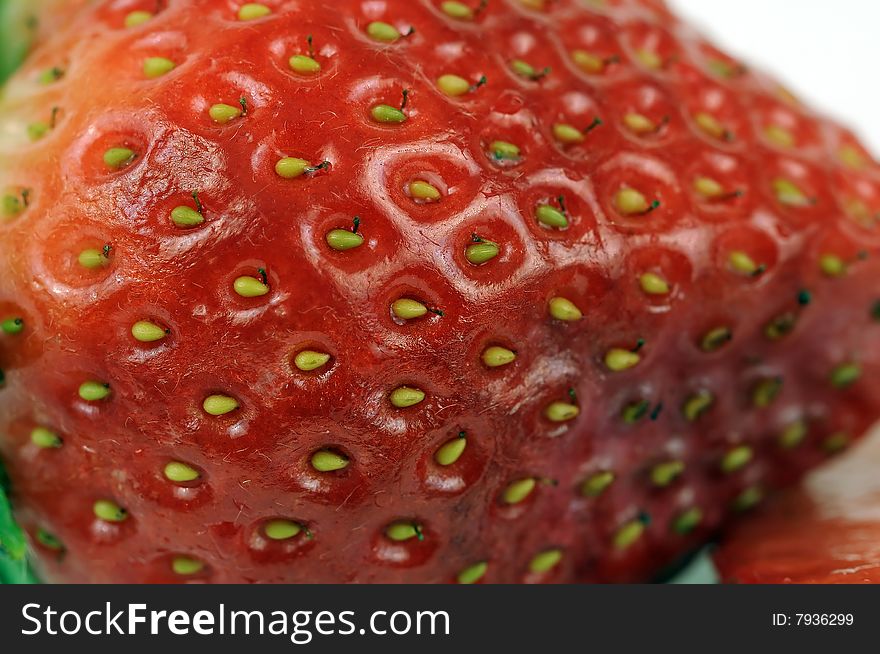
column 416, row 291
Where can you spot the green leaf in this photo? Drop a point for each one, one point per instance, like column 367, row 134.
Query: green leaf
column 18, row 23
column 14, row 567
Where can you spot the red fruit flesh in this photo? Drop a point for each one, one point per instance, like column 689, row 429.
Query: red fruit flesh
column 749, row 317
column 827, row 531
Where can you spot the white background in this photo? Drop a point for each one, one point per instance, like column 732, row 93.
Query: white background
column 826, row 51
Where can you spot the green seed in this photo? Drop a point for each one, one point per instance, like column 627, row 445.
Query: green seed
column 496, row 356
column 304, row 65
column 715, row 339
column 250, row 287
column 49, row 541
column 628, row 534
column 379, row 31
column 780, row 327
column 51, row 75
column 92, row 391
column 148, row 332
column 453, row 85
column 220, row 405
column 550, row 216
column 832, row 265
column 109, row 511
column 186, row 566
column 480, row 253
column 523, row 69
column 157, row 66
column 223, row 113
column 403, row 531
column 618, row 359
column 12, row 326
column 404, row 397
column 474, row 573
column 180, row 472
column 328, row 461
column 92, row 259
column 788, row 193
column 697, row 405
column 567, row 134
column 117, row 158
column 342, row 240
column 137, row 18
column 564, row 310
column 779, row 136
column 309, row 360
column 421, row 190
column 282, row 529
column 545, row 561
column 252, row 11
column 11, row 206
column 382, row 113
column 663, row 474
column 634, row 412
column 748, row 499
column 185, row 217
column 407, row 309
column 451, row 451
column 766, row 392
column 518, row 491
column 561, row 412
column 742, row 263
column 502, row 150
column 836, row 443
column 597, row 484
column 793, row 435
column 36, row 131
column 687, row 521
column 45, row 438
column 654, row 284
column 845, row 375
column 291, row 167
column 736, row 459
column 457, row 10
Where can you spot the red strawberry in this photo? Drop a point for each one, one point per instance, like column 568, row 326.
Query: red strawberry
column 827, row 531
column 525, row 290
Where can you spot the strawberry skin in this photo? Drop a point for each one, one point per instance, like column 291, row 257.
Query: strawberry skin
column 827, row 531
column 522, row 291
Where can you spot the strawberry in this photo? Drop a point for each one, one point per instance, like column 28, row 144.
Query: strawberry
column 505, row 291
column 825, row 531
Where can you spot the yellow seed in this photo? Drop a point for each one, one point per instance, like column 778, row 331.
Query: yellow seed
column 451, row 451
column 545, row 561
column 618, row 359
column 748, row 499
column 588, row 62
column 845, row 375
column 457, row 10
column 249, row 287
column 687, row 521
column 342, row 239
column 148, row 332
column 291, row 167
column 741, row 262
column 550, row 216
column 383, row 113
column 45, row 438
column 630, row 202
column 328, row 461
column 708, row 187
column 836, row 443
column 403, row 531
column 186, row 566
column 851, row 157
column 480, row 253
column 832, row 266
column 423, row 191
column 220, row 405
column 109, row 511
column 697, row 405
column 639, row 124
column 404, row 397
column 92, row 259
column 736, row 459
column 223, row 113
column 282, row 529
column 496, row 356
column 793, row 435
column 304, row 65
column 565, row 310
column 715, row 339
column 629, row 534
column 137, row 18
column 157, row 66
column 561, row 412
column 92, row 391
column 779, row 136
column 710, row 125
column 453, row 85
column 474, row 573
column 649, row 59
column 185, row 217
column 406, row 309
column 518, row 491
column 766, row 391
column 597, row 484
column 309, row 360
column 654, row 284
column 567, row 134
column 180, row 472
column 379, row 31
column 789, row 193
column 663, row 474
column 502, row 150
column 252, row 11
